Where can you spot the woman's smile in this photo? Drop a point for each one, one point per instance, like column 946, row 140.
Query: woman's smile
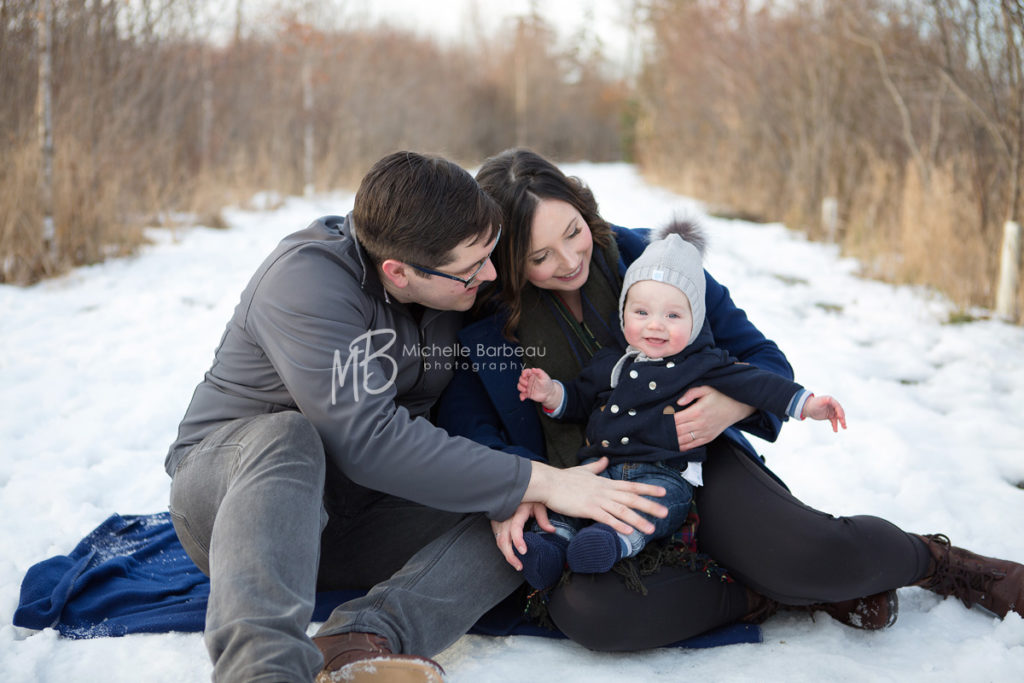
column 573, row 275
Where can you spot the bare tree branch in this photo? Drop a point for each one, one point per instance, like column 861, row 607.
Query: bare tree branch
column 905, row 123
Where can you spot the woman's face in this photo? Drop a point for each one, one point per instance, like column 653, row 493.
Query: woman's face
column 560, row 247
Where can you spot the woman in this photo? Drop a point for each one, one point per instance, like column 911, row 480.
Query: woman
column 554, row 304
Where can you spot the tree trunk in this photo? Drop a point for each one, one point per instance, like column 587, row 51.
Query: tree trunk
column 521, row 85
column 206, row 113
column 307, row 109
column 239, row 18
column 44, row 115
column 1007, row 305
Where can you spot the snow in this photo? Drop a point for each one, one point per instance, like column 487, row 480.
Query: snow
column 96, row 369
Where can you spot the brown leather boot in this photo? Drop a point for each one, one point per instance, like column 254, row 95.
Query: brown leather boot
column 367, row 658
column 759, row 608
column 997, row 585
column 871, row 613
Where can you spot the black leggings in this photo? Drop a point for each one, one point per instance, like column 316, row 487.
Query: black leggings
column 768, row 540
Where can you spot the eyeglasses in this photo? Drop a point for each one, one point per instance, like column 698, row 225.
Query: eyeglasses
column 466, row 282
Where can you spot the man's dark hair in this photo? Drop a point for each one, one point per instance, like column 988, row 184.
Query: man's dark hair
column 417, row 208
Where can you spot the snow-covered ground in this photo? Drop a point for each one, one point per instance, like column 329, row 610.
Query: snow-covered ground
column 96, row 369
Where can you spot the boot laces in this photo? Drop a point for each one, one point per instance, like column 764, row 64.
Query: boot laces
column 956, row 576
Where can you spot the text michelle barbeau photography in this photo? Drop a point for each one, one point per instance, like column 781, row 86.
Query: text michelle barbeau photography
column 369, row 364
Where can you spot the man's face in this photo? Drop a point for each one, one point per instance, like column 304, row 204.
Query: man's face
column 445, row 294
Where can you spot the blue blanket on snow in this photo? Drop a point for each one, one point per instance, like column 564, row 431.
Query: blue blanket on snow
column 131, row 575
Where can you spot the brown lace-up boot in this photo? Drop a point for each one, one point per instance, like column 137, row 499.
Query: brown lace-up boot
column 759, row 608
column 871, row 613
column 367, row 658
column 997, row 585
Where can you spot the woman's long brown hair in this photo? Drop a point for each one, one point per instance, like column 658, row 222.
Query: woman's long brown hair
column 518, row 179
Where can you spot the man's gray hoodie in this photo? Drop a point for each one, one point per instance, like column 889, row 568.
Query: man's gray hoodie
column 316, row 332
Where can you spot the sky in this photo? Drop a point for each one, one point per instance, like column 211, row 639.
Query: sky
column 448, row 20
column 97, row 367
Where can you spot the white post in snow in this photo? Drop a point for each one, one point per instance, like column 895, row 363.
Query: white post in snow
column 1009, row 272
column 830, row 217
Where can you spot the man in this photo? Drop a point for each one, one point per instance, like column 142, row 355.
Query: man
column 305, row 460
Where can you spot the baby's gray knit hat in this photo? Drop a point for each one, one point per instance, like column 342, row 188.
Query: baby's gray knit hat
column 673, row 257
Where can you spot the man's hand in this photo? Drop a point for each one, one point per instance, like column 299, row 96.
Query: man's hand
column 711, row 414
column 509, row 534
column 579, row 492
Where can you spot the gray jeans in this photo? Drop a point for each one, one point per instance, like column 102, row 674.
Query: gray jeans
column 248, row 505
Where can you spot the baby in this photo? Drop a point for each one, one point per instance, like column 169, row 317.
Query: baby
column 628, row 400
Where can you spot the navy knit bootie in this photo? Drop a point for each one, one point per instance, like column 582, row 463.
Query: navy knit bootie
column 594, row 550
column 544, row 559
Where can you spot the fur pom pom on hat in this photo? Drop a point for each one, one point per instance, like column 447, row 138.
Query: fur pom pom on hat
column 673, row 256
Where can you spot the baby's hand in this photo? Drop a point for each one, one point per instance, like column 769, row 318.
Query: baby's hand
column 534, row 384
column 825, row 408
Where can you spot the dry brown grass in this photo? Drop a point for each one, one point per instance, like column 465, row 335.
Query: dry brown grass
column 767, row 113
column 21, row 247
column 901, row 230
column 907, row 231
column 89, row 217
column 148, row 127
column 943, row 240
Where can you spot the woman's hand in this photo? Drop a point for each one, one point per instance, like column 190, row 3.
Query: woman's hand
column 711, row 414
column 509, row 534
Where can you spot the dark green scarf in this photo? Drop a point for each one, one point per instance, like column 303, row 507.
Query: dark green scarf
column 564, row 343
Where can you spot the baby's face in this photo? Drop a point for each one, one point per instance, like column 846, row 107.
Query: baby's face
column 657, row 318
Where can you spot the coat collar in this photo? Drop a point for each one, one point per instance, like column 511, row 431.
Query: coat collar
column 369, row 278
